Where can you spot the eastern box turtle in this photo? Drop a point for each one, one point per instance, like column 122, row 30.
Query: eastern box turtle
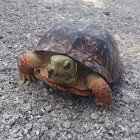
column 77, row 57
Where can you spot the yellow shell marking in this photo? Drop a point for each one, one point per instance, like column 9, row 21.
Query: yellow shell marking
column 64, row 42
column 82, row 46
column 53, row 38
column 48, row 34
column 95, row 57
column 64, row 30
column 42, row 42
column 93, row 43
column 106, row 63
column 104, row 46
column 102, row 53
column 88, row 38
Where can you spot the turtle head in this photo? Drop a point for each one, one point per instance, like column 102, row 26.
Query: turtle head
column 61, row 69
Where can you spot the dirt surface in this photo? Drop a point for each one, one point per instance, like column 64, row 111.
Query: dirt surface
column 38, row 112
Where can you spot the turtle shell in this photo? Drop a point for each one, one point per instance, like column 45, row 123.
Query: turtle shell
column 87, row 43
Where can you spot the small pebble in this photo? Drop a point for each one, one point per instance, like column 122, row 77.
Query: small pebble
column 94, row 116
column 28, row 126
column 11, row 122
column 111, row 132
column 67, row 125
column 35, row 138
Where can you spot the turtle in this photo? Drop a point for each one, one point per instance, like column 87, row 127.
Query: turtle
column 77, row 57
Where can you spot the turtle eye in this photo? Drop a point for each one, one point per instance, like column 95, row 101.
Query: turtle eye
column 67, row 65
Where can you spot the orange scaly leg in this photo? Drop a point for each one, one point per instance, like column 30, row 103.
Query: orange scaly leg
column 26, row 64
column 102, row 93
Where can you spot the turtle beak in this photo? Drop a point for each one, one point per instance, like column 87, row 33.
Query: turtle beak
column 50, row 73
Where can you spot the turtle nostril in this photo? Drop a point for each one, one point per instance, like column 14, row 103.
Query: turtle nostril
column 50, row 73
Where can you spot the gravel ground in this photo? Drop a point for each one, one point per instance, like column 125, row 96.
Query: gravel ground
column 38, row 112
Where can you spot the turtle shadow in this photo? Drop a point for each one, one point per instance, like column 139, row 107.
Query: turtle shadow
column 76, row 101
column 117, row 86
column 117, row 95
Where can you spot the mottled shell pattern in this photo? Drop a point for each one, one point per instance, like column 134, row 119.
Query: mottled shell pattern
column 86, row 43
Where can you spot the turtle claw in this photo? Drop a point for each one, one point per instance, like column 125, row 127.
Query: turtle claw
column 104, row 107
column 23, row 79
column 33, row 78
column 27, row 77
column 20, row 77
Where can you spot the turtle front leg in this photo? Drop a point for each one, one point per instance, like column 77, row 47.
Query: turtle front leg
column 26, row 64
column 102, row 93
